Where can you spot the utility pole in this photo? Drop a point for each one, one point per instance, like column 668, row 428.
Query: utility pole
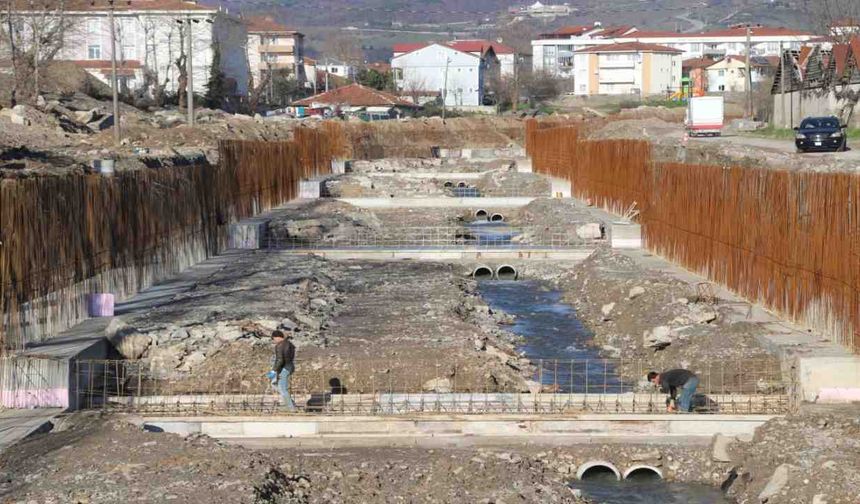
column 749, row 74
column 445, row 88
column 117, row 134
column 326, row 74
column 189, row 69
column 782, row 84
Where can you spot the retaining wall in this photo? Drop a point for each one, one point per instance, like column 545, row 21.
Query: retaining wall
column 788, row 240
column 63, row 237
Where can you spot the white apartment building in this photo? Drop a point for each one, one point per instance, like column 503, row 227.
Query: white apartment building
column 458, row 76
column 553, row 52
column 272, row 46
column 506, row 55
column 630, row 68
column 150, row 36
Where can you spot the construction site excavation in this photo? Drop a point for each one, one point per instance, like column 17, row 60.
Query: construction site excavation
column 469, row 310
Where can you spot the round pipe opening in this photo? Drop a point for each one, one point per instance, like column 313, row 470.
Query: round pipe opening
column 461, row 184
column 597, row 469
column 448, row 184
column 483, row 273
column 643, row 473
column 481, row 213
column 506, row 272
column 497, row 217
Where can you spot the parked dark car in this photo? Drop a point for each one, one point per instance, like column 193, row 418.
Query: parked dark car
column 820, row 134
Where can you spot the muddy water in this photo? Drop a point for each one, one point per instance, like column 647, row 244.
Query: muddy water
column 553, row 335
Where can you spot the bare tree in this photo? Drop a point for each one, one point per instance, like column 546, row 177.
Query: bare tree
column 35, row 33
column 344, row 48
column 415, row 87
column 840, row 19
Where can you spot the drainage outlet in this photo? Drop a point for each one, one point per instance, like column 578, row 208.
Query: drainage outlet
column 497, row 217
column 481, row 214
column 483, row 273
column 506, row 272
column 597, row 469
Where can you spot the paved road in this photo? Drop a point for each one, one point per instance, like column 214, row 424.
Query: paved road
column 785, row 147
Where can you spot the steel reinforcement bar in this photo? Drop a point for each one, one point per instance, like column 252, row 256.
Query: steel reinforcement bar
column 787, row 239
column 556, row 387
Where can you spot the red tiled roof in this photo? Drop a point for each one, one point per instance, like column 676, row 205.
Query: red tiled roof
column 615, row 31
column 480, row 46
column 570, row 31
column 356, row 95
column 629, row 47
column 694, row 63
column 266, row 24
column 408, row 47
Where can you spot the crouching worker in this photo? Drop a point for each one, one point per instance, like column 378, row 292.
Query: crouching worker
column 670, row 382
column 283, row 366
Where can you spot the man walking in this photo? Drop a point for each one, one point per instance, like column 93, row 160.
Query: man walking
column 283, row 366
column 669, row 382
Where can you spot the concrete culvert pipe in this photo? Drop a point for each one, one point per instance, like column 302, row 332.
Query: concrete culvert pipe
column 448, row 184
column 481, row 213
column 506, row 272
column 597, row 469
column 643, row 473
column 461, row 184
column 497, row 217
column 482, row 273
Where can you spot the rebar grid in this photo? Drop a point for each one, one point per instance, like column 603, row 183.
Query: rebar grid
column 557, row 387
column 440, row 237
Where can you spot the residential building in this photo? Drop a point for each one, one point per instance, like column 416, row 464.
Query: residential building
column 337, row 68
column 630, row 68
column 460, row 77
column 553, row 52
column 730, row 73
column 540, row 10
column 506, row 55
column 150, row 39
column 696, row 70
column 273, row 47
column 355, row 99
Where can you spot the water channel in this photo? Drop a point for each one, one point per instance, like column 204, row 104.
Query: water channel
column 553, row 334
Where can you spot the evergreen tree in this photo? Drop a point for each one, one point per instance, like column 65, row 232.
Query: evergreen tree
column 216, row 88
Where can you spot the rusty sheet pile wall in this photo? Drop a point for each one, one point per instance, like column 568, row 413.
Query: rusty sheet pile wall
column 64, row 237
column 789, row 240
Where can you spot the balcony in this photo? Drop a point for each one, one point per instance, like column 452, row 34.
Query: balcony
column 279, row 49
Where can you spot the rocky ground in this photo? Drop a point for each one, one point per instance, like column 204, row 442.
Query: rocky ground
column 87, row 459
column 644, row 315
column 811, row 457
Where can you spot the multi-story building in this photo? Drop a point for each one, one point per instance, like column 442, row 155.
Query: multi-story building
column 273, row 47
column 630, row 68
column 458, row 76
column 506, row 55
column 730, row 73
column 151, row 40
column 553, row 52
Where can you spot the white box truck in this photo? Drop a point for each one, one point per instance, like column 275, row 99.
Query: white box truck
column 705, row 116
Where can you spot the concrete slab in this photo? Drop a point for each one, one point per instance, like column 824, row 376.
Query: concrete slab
column 453, row 430
column 820, row 375
column 440, row 202
column 448, row 255
column 16, row 424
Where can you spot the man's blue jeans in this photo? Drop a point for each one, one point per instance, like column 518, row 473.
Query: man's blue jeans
column 685, row 400
column 284, row 388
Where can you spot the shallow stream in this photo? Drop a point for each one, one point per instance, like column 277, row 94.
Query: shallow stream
column 553, row 334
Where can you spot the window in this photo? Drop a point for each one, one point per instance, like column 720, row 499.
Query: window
column 721, row 73
column 333, row 70
column 94, row 52
column 129, row 52
column 94, row 26
column 398, row 73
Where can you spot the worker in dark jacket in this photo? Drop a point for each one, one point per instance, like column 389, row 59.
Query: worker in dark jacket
column 670, row 382
column 283, row 366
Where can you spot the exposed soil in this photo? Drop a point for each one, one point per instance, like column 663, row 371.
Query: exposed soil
column 92, row 460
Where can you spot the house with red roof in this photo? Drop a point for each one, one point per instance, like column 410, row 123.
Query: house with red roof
column 459, row 76
column 506, row 55
column 355, row 99
column 273, row 47
column 629, row 68
column 149, row 38
column 553, row 52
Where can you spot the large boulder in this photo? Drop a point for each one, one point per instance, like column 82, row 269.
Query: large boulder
column 660, row 337
column 130, row 343
column 440, row 385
